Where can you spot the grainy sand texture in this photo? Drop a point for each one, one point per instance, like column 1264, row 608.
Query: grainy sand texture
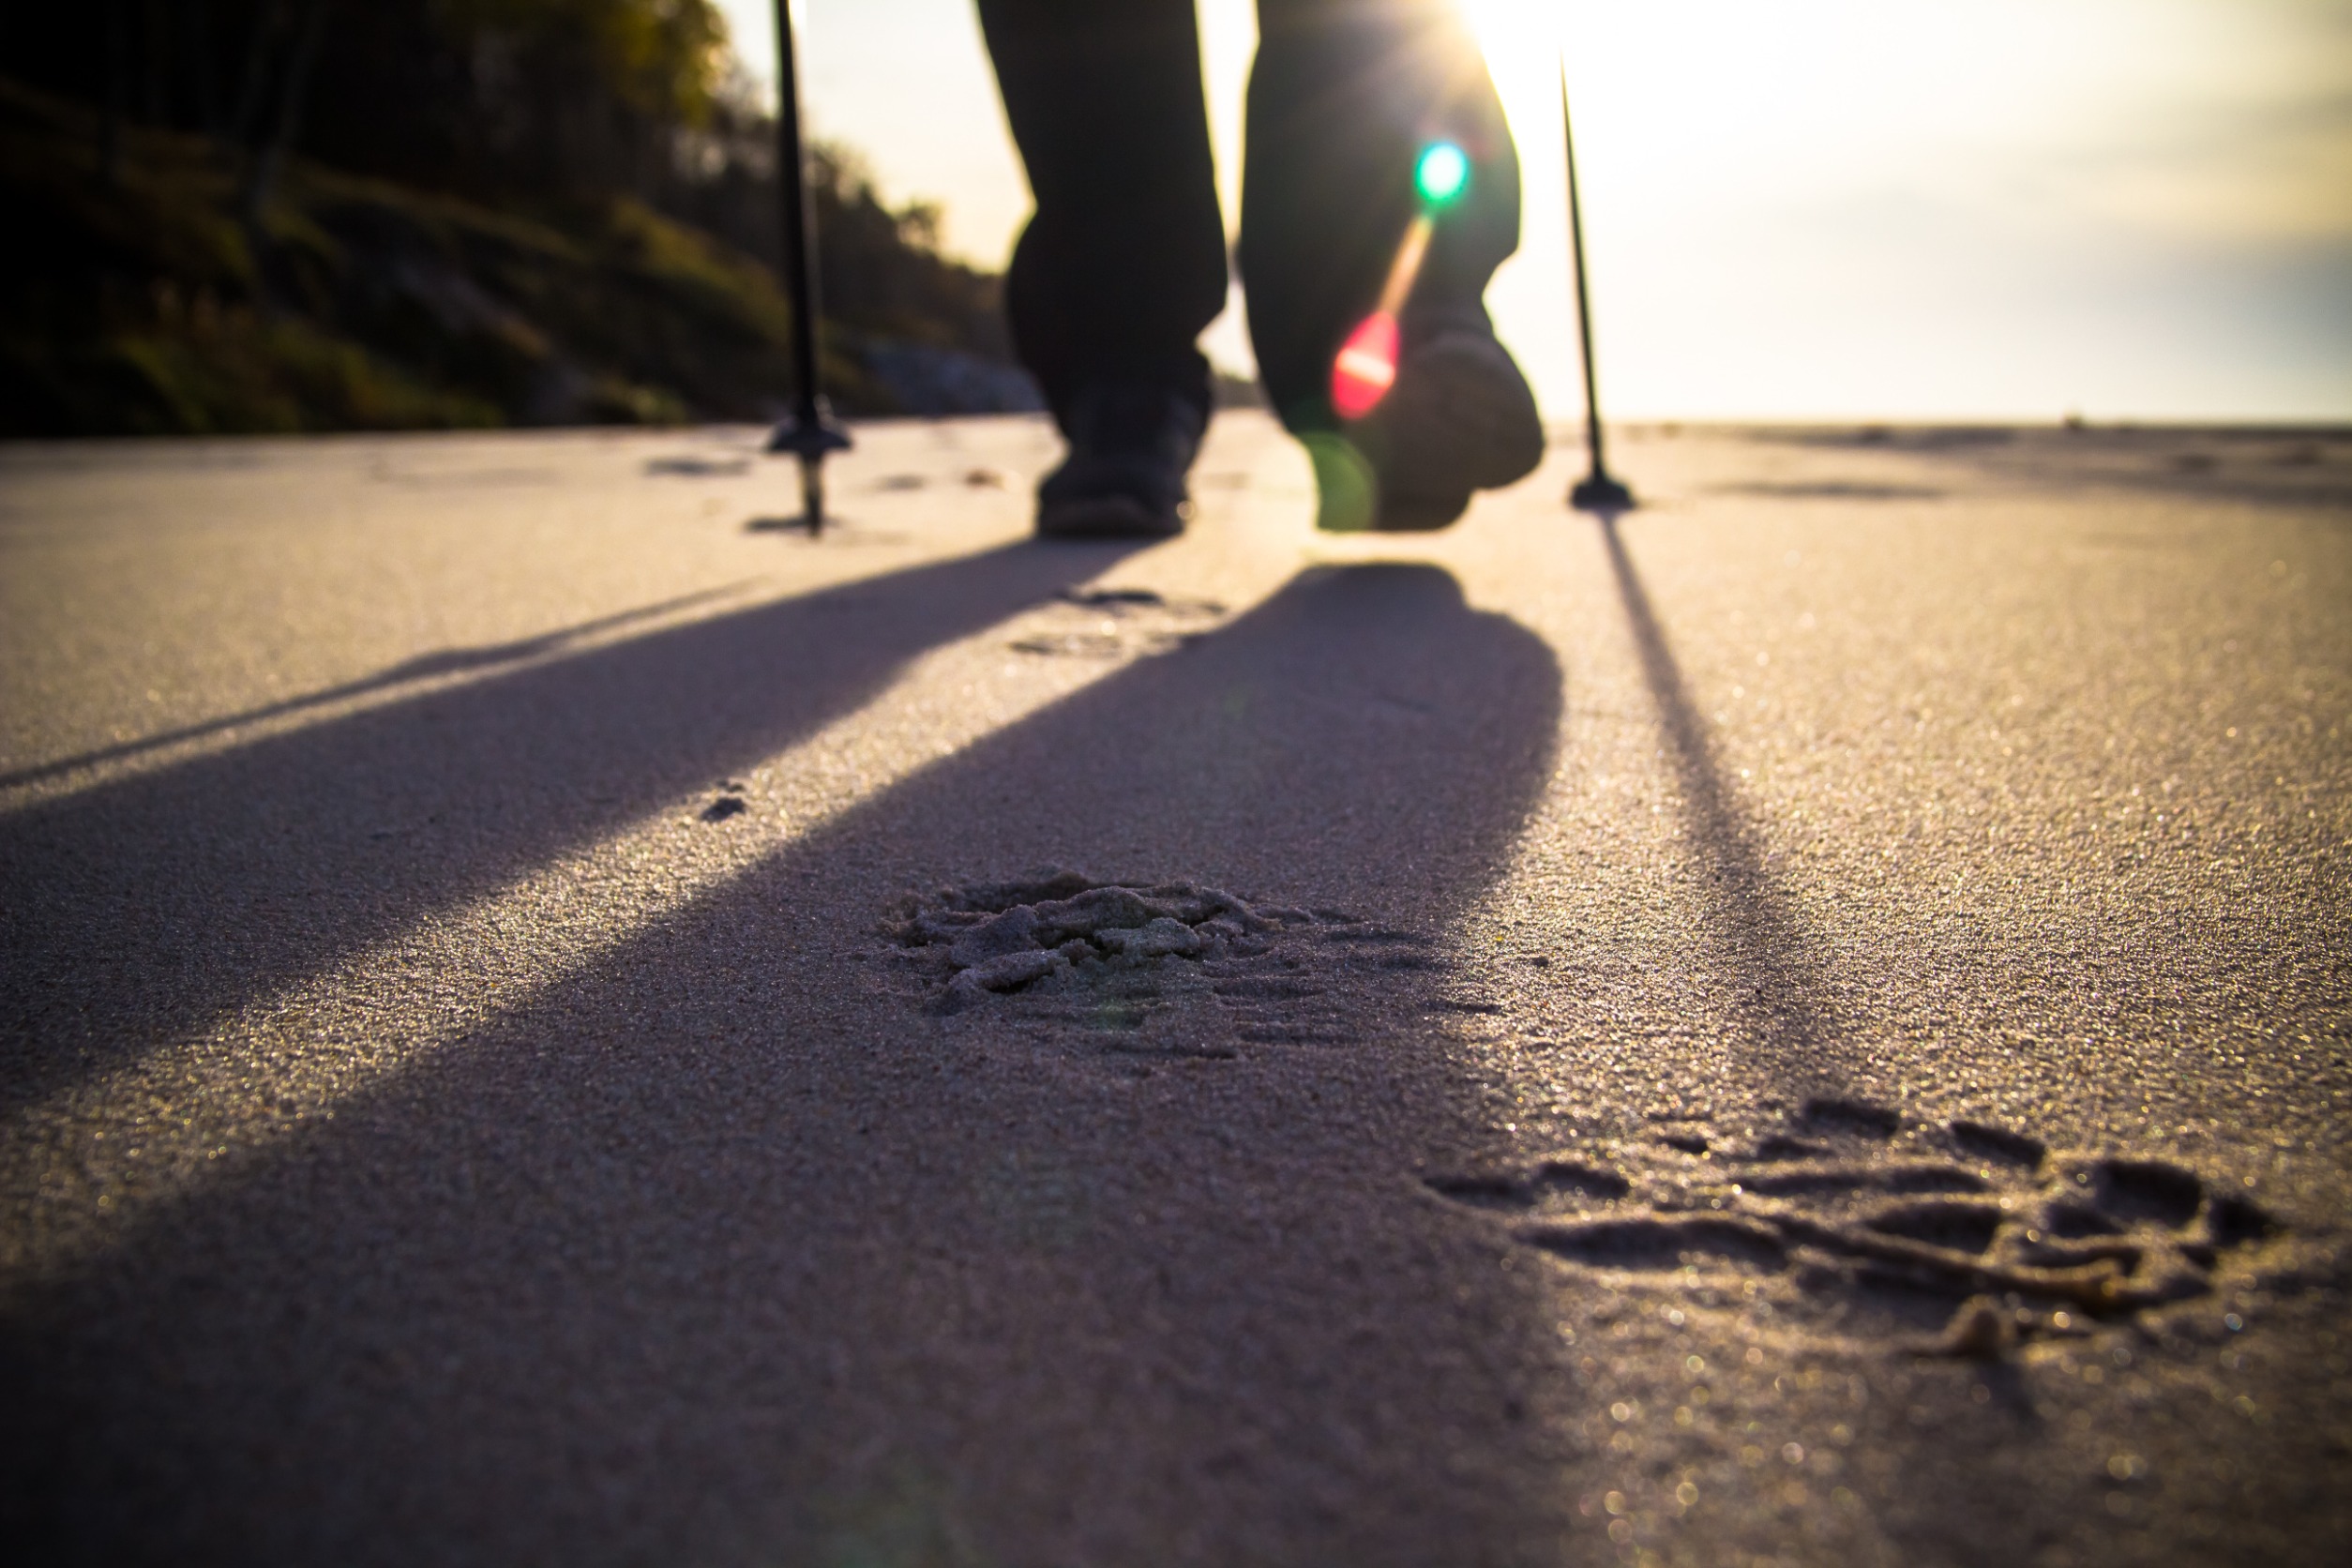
column 547, row 1017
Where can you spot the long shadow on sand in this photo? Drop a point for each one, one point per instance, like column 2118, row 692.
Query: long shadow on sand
column 137, row 910
column 425, row 666
column 1780, row 991
column 728, row 1251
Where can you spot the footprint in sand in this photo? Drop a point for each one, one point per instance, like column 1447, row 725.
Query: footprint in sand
column 1162, row 967
column 1110, row 623
column 1880, row 1223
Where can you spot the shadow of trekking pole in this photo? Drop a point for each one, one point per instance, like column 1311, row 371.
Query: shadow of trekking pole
column 1780, row 987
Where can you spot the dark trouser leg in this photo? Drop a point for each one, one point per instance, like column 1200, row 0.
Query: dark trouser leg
column 1123, row 263
column 1344, row 95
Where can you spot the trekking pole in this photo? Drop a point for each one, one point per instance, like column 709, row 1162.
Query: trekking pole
column 1597, row 491
column 809, row 432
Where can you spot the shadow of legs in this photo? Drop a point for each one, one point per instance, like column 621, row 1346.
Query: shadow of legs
column 726, row 1250
column 138, row 911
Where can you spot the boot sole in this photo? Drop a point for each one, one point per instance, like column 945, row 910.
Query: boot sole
column 1461, row 418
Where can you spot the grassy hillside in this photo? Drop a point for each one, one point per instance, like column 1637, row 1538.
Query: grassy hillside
column 149, row 302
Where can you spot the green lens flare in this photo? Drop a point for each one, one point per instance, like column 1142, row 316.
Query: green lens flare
column 1442, row 174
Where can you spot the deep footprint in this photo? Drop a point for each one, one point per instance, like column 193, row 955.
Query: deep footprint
column 1998, row 1143
column 1960, row 1226
column 1550, row 1180
column 2148, row 1190
column 1662, row 1242
column 1062, row 929
column 1856, row 1117
column 1188, row 961
column 2102, row 1238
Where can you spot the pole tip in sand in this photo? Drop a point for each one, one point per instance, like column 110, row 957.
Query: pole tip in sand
column 1599, row 491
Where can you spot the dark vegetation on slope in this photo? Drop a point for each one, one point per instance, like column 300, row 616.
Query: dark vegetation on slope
column 286, row 215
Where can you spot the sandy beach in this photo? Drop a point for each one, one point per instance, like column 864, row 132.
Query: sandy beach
column 548, row 1016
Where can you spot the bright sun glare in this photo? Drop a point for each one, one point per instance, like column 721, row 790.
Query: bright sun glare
column 1935, row 206
column 1884, row 208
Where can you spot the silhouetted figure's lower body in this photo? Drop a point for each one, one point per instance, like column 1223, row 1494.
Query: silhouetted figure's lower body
column 1123, row 263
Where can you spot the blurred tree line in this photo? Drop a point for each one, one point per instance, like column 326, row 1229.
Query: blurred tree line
column 486, row 210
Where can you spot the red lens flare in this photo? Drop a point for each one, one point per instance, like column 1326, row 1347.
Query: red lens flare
column 1367, row 363
column 1367, row 366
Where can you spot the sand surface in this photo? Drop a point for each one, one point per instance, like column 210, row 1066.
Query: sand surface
column 1814, row 1026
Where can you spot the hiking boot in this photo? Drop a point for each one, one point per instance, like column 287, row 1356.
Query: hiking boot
column 1460, row 417
column 1131, row 444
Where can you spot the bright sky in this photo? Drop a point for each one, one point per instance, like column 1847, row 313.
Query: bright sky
column 1815, row 208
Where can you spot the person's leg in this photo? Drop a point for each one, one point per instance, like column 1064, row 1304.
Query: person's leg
column 1122, row 264
column 1343, row 97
